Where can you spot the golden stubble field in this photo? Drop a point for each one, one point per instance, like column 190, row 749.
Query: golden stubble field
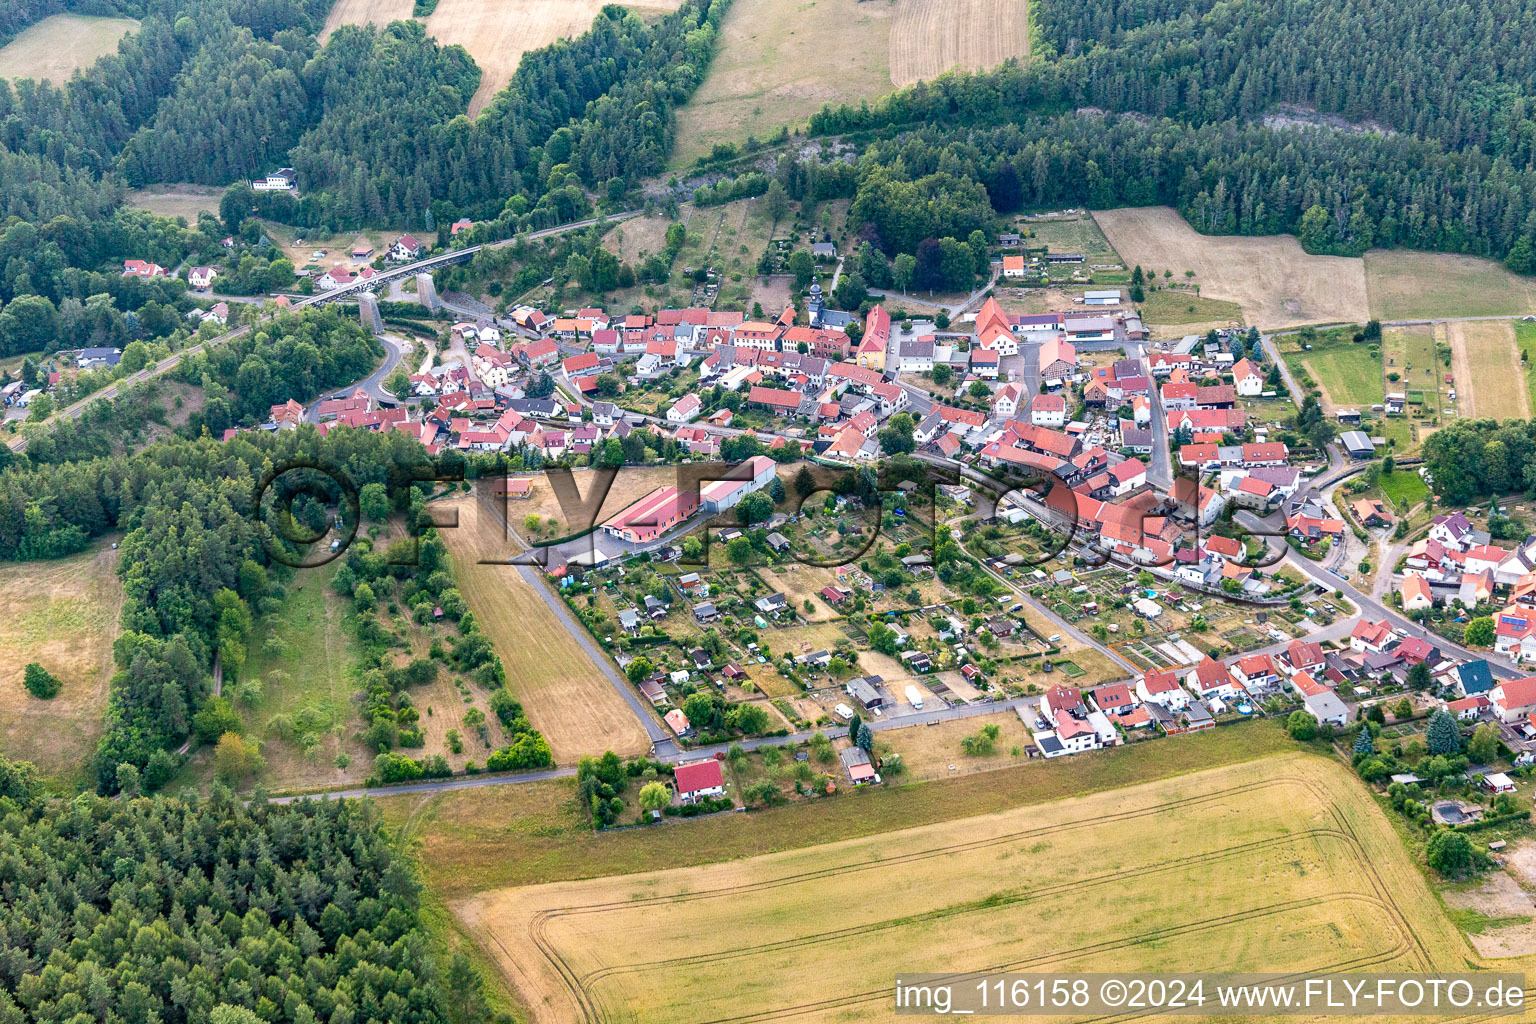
column 566, row 696
column 61, row 44
column 498, row 32
column 495, row 32
column 779, row 61
column 1277, row 865
column 64, row 615
column 1270, row 277
column 932, row 36
column 1490, row 381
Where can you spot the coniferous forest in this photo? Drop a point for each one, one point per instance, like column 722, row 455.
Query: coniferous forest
column 1351, row 125
column 173, row 910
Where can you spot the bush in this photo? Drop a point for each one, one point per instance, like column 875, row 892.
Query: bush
column 216, row 718
column 39, row 682
column 1451, row 854
column 1302, row 726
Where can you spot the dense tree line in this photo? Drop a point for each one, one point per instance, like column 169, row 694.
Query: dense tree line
column 1036, row 135
column 85, row 123
column 206, row 910
column 391, row 142
column 373, row 122
column 52, row 296
column 193, row 531
column 1461, row 74
column 187, row 509
column 423, row 581
column 295, row 357
column 1340, row 192
column 1467, row 459
column 382, row 95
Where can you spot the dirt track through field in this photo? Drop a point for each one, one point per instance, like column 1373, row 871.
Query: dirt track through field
column 933, row 36
column 1276, row 283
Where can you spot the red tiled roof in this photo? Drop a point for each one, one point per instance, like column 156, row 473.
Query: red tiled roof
column 698, row 775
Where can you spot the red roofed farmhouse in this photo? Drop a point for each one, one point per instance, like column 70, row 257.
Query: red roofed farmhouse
column 698, row 780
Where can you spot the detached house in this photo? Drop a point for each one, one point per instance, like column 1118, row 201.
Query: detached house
column 1371, row 637
column 1162, row 689
column 1048, row 411
column 1210, row 679
column 1005, row 403
column 1514, row 699
column 141, row 268
column 1246, row 379
column 685, row 409
column 405, row 249
column 1416, row 593
column 1301, row 656
column 1256, row 672
column 1514, row 633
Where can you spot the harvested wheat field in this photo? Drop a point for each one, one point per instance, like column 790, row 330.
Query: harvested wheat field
column 1275, row 283
column 498, row 32
column 1281, row 865
column 364, row 12
column 567, row 696
column 778, row 61
column 932, row 36
column 64, row 616
column 1486, row 362
column 61, row 44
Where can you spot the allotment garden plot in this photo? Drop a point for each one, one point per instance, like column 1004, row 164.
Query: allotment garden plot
column 1281, row 865
column 1155, row 625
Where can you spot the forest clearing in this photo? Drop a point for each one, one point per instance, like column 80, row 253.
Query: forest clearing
column 63, row 615
column 931, row 37
column 61, row 44
column 1270, row 277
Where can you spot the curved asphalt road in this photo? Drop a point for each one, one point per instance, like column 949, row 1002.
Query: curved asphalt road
column 394, row 351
